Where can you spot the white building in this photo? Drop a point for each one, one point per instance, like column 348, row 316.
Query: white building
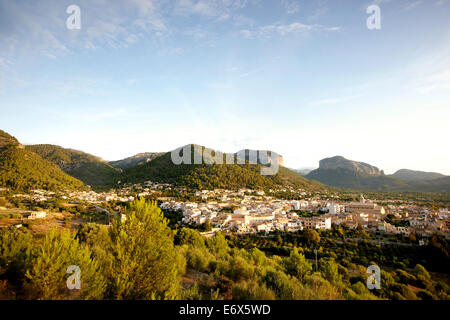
column 316, row 223
column 334, row 208
column 37, row 215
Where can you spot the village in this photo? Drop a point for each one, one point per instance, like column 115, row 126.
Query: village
column 247, row 211
column 243, row 214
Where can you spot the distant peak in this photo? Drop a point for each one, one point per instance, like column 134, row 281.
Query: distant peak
column 339, row 162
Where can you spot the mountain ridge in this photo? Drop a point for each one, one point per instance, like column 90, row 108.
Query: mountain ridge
column 51, row 166
column 92, row 170
column 343, row 173
column 415, row 175
column 204, row 176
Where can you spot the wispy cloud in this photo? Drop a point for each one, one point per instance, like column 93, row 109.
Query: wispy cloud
column 219, row 9
column 42, row 25
column 291, row 6
column 248, row 73
column 279, row 29
column 319, row 12
column 380, row 1
column 335, row 100
column 414, row 4
column 430, row 72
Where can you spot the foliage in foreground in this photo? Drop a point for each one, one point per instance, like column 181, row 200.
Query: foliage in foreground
column 142, row 258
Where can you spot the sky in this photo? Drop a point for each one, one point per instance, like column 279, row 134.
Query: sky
column 306, row 79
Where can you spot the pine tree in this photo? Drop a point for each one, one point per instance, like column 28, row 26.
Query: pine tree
column 48, row 273
column 145, row 263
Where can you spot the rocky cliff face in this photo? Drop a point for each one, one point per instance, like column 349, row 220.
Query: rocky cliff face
column 339, row 162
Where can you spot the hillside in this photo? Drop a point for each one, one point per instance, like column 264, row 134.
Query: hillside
column 135, row 160
column 304, row 171
column 203, row 176
column 412, row 175
column 441, row 185
column 345, row 178
column 21, row 169
column 90, row 169
column 343, row 173
column 7, row 140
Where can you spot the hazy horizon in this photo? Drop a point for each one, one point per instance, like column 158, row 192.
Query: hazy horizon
column 299, row 167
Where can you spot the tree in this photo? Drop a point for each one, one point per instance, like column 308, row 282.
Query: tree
column 330, row 270
column 296, row 265
column 189, row 236
column 145, row 263
column 312, row 236
column 96, row 237
column 15, row 249
column 218, row 245
column 205, row 227
column 51, row 259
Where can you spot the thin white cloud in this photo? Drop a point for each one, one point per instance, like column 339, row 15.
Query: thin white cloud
column 291, row 6
column 430, row 72
column 248, row 73
column 380, row 1
column 171, row 51
column 220, row 9
column 414, row 4
column 42, row 25
column 336, row 100
column 320, row 10
column 279, row 29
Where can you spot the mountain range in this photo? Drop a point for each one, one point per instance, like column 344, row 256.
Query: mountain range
column 204, row 176
column 340, row 172
column 53, row 167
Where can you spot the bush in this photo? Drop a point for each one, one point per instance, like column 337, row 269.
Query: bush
column 420, row 270
column 252, row 290
column 426, row 295
column 284, row 287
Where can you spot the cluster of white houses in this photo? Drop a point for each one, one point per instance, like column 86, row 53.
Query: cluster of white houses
column 252, row 216
column 252, row 211
column 122, row 194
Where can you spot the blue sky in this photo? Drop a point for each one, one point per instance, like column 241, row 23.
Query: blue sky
column 306, row 79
